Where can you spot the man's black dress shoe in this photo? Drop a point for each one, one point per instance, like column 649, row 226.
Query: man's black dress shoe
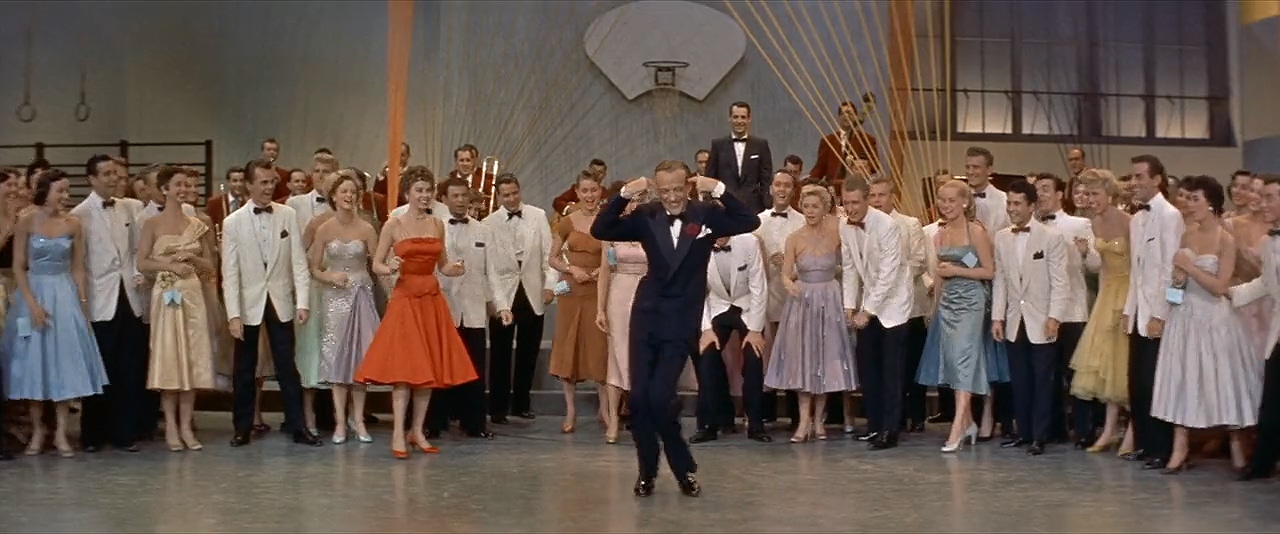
column 1014, row 443
column 92, row 448
column 760, row 436
column 883, row 441
column 1155, row 463
column 1037, row 448
column 703, row 436
column 483, row 434
column 499, row 420
column 644, row 487
column 869, row 436
column 1250, row 474
column 240, row 440
column 306, row 438
column 915, row 428
column 525, row 415
column 1082, row 444
column 689, row 486
column 1138, row 455
column 4, row 455
column 132, row 447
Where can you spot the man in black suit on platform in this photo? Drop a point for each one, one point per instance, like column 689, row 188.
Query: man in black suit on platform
column 743, row 162
column 677, row 234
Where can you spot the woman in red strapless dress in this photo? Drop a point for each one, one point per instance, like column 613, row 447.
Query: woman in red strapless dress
column 416, row 348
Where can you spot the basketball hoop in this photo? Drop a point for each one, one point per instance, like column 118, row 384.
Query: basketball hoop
column 665, row 95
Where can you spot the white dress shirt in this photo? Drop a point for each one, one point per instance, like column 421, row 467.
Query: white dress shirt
column 467, row 294
column 111, row 254
column 736, row 278
column 1154, row 237
column 1071, row 228
column 773, row 234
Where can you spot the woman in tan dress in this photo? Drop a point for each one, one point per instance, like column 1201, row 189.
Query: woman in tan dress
column 579, row 351
column 173, row 248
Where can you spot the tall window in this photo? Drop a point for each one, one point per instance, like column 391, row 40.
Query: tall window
column 1091, row 71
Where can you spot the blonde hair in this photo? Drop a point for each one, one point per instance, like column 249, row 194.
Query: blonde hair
column 966, row 196
column 813, row 190
column 1099, row 179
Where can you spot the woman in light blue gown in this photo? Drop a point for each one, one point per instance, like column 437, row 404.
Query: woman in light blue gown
column 48, row 346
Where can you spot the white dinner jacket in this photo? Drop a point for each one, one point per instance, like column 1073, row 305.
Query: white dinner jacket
column 876, row 278
column 747, row 287
column 248, row 279
column 773, row 233
column 468, row 294
column 1030, row 285
column 1265, row 285
column 915, row 254
column 307, row 207
column 1072, row 227
column 505, row 274
column 1154, row 237
column 111, row 259
column 992, row 209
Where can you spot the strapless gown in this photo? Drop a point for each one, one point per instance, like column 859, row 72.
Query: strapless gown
column 417, row 344
column 350, row 313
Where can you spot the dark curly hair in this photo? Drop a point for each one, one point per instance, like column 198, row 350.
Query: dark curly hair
column 44, row 184
column 1207, row 186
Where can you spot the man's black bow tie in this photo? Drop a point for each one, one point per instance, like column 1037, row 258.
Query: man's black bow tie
column 671, row 219
column 739, row 139
column 108, row 203
column 1274, row 232
column 782, row 214
column 725, row 248
column 320, row 200
column 512, row 214
column 1048, row 218
column 859, row 224
column 458, row 221
column 1139, row 207
column 980, row 195
column 257, row 210
column 1020, row 229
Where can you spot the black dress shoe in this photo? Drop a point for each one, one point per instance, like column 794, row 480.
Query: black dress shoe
column 1250, row 474
column 1014, row 443
column 306, row 438
column 132, row 447
column 883, row 441
column 760, row 436
column 92, row 448
column 1138, row 455
column 525, row 415
column 483, row 434
column 1083, row 443
column 644, row 487
column 5, row 456
column 1155, row 463
column 689, row 486
column 1037, row 448
column 704, row 435
column 240, row 440
column 499, row 420
column 915, row 428
column 869, row 436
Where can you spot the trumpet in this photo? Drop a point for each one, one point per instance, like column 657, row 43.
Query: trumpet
column 488, row 167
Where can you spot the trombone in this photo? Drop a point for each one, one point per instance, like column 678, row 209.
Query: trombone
column 488, row 167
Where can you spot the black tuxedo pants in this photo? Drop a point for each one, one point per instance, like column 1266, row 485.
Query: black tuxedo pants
column 915, row 395
column 1033, row 374
column 1268, row 446
column 713, row 379
column 510, row 385
column 149, row 414
column 280, row 336
column 880, row 355
column 113, row 416
column 1155, row 436
column 464, row 401
column 656, row 365
column 1084, row 414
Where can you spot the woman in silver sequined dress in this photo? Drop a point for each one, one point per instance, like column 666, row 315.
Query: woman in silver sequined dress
column 339, row 259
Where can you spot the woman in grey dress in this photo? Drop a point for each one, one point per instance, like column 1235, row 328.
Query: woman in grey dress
column 1208, row 372
column 958, row 352
column 812, row 352
column 339, row 259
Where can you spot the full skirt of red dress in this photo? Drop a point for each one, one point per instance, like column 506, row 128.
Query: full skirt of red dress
column 416, row 344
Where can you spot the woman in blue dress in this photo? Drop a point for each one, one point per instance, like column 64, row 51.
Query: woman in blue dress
column 49, row 350
column 959, row 352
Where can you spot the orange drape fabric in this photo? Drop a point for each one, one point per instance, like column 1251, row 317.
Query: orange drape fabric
column 399, row 49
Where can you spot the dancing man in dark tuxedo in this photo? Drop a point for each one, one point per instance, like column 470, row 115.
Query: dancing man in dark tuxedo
column 677, row 234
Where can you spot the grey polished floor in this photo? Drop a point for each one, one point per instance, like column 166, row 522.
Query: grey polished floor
column 532, row 478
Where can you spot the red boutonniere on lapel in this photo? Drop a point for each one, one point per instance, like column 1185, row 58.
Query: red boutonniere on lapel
column 692, row 230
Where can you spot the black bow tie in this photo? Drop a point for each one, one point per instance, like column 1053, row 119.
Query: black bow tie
column 458, row 221
column 980, row 195
column 739, row 139
column 257, row 210
column 1274, row 232
column 1048, row 217
column 782, row 214
column 320, row 200
column 517, row 213
column 859, row 224
column 725, row 248
column 671, row 219
column 1020, row 229
column 108, row 203
column 1139, row 207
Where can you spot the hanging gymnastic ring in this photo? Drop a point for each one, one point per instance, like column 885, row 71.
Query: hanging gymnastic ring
column 82, row 112
column 25, row 112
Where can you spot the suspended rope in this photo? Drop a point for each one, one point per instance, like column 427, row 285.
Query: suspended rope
column 399, row 52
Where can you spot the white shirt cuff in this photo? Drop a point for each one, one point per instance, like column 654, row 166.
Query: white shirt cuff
column 719, row 190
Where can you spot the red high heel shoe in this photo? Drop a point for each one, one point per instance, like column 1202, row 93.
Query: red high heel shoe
column 400, row 455
column 413, row 442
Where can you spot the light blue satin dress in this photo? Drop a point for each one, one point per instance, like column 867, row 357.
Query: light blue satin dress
column 959, row 351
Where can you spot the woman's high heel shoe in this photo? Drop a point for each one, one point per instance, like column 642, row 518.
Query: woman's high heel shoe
column 339, row 440
column 400, row 455
column 802, row 435
column 971, row 434
column 820, row 432
column 423, row 446
column 1186, row 466
column 1104, row 446
column 362, row 437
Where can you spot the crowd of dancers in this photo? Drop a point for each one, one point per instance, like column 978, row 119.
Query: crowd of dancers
column 1056, row 308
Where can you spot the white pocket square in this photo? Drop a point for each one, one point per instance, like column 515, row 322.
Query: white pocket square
column 704, row 233
column 755, row 156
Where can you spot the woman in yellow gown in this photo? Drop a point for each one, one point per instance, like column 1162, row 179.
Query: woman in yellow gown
column 1101, row 360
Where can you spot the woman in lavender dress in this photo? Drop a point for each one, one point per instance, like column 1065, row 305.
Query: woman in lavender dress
column 813, row 351
column 339, row 258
